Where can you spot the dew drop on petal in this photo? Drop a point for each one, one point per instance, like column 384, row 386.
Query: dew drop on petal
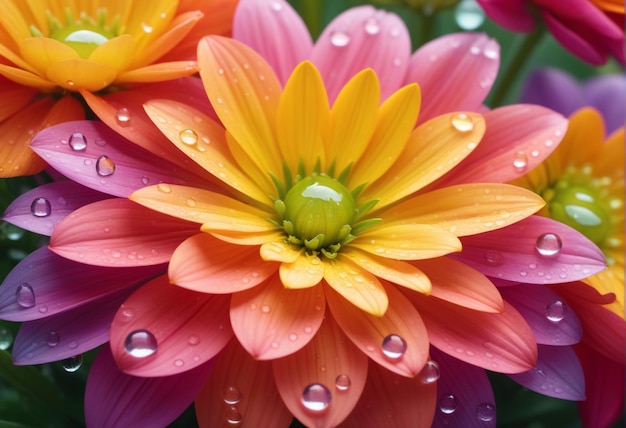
column 430, row 372
column 316, row 397
column 123, row 117
column 462, row 122
column 193, row 340
column 343, row 382
column 372, row 26
column 72, row 364
column 394, row 346
column 231, row 395
column 40, row 207
column 555, row 311
column 276, row 6
column 548, row 244
column 520, row 161
column 77, row 142
column 339, row 39
column 24, row 295
column 188, row 137
column 140, row 343
column 233, row 415
column 447, row 403
column 493, row 258
column 147, row 28
column 165, row 188
column 486, row 412
column 5, row 339
column 105, row 166
column 53, row 339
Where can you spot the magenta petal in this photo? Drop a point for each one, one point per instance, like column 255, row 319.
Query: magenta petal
column 69, row 333
column 359, row 38
column 550, row 319
column 116, row 400
column 514, row 15
column 276, row 31
column 574, row 41
column 91, row 154
column 41, row 209
column 44, row 284
column 558, row 373
column 511, row 253
column 464, row 395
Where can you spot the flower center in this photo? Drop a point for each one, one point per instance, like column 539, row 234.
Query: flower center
column 317, row 212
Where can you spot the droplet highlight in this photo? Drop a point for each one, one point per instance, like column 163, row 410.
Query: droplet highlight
column 555, row 311
column 105, row 166
column 394, row 346
column 343, row 382
column 486, row 412
column 77, row 142
column 72, row 364
column 40, row 207
column 430, row 372
column 6, row 338
column 188, row 137
column 231, row 395
column 447, row 403
column 140, row 343
column 339, row 39
column 316, row 397
column 233, row 416
column 462, row 122
column 548, row 244
column 520, row 161
column 24, row 295
column 122, row 117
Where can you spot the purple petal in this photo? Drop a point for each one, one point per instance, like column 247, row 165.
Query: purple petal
column 513, row 253
column 607, row 93
column 275, row 30
column 44, row 284
column 558, row 373
column 69, row 333
column 553, row 88
column 550, row 319
column 465, row 398
column 41, row 209
column 115, row 399
column 91, row 154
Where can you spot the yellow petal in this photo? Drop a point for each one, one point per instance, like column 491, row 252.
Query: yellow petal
column 148, row 26
column 42, row 52
column 280, row 251
column 306, row 271
column 116, row 53
column 303, row 118
column 249, row 238
column 80, row 73
column 261, row 178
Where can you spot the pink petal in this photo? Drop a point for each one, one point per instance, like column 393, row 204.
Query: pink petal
column 118, row 232
column 183, row 329
column 276, row 31
column 102, row 160
column 557, row 374
column 511, row 253
column 363, row 37
column 465, row 398
column 393, row 400
column 115, row 399
column 455, row 73
column 551, row 320
column 401, row 322
column 53, row 281
column 69, row 333
column 329, row 361
column 240, row 389
column 272, row 321
column 41, row 209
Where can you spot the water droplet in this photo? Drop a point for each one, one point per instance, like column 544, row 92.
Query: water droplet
column 72, row 364
column 555, row 311
column 486, row 412
column 372, row 26
column 339, row 39
column 276, row 6
column 25, row 296
column 462, row 122
column 447, row 403
column 343, row 382
column 53, row 339
column 394, row 346
column 520, row 161
column 188, row 137
column 179, row 363
column 147, row 28
column 469, row 15
column 123, row 117
column 77, row 142
column 105, row 166
column 140, row 343
column 233, row 415
column 231, row 395
column 145, row 180
column 70, row 82
column 5, row 339
column 548, row 244
column 193, row 340
column 293, row 337
column 165, row 188
column 40, row 207
column 430, row 372
column 266, row 309
column 316, row 397
column 493, row 258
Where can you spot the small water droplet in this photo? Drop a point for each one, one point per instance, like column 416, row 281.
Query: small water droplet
column 53, row 339
column 372, row 26
column 145, row 180
column 147, row 28
column 339, row 39
column 293, row 337
column 24, row 295
column 231, row 395
column 40, row 207
column 72, row 364
column 555, row 311
column 140, row 343
column 77, row 142
column 548, row 244
column 266, row 309
column 430, row 372
column 520, row 161
column 343, row 382
column 394, row 346
column 486, row 412
column 493, row 258
column 165, row 188
column 193, row 340
column 70, row 82
column 276, row 6
column 5, row 339
column 233, row 415
column 462, row 122
column 105, row 166
column 316, row 397
column 188, row 137
column 447, row 403
column 123, row 117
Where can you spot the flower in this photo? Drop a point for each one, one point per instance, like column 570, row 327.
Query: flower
column 50, row 53
column 593, row 33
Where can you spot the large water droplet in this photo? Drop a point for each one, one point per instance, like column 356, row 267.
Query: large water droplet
column 469, row 15
column 555, row 311
column 462, row 122
column 486, row 412
column 140, row 343
column 188, row 137
column 430, row 372
column 105, row 166
column 343, row 382
column 24, row 295
column 53, row 339
column 72, row 364
column 548, row 244
column 339, row 39
column 6, row 338
column 316, row 397
column 520, row 161
column 372, row 26
column 447, row 403
column 123, row 117
column 394, row 346
column 40, row 207
column 231, row 395
column 77, row 141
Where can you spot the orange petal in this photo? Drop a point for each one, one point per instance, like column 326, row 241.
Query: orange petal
column 306, row 271
column 15, row 97
column 159, row 72
column 25, row 78
column 272, row 321
column 407, row 351
column 336, row 369
column 255, row 238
